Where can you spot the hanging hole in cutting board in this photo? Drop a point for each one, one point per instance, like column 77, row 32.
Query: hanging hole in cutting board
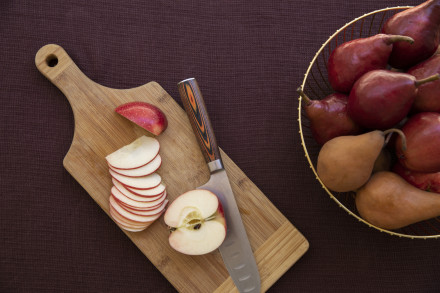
column 51, row 60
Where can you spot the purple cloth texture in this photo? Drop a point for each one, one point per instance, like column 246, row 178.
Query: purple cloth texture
column 248, row 58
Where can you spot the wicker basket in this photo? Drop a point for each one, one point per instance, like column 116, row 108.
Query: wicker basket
column 316, row 85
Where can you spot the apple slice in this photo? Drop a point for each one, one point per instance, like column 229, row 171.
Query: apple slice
column 145, row 115
column 147, row 192
column 136, row 204
column 160, row 209
column 126, row 225
column 141, row 198
column 131, row 207
column 129, row 216
column 145, row 170
column 197, row 222
column 136, row 154
column 146, row 182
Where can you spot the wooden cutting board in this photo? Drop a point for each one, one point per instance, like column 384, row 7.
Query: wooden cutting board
column 99, row 131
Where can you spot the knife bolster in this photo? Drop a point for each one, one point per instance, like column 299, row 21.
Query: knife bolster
column 215, row 165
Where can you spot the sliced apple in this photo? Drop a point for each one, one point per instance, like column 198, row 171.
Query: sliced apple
column 145, row 115
column 197, row 222
column 127, row 225
column 129, row 216
column 134, row 155
column 137, row 208
column 158, row 210
column 136, row 197
column 153, row 192
column 136, row 204
column 146, row 182
column 145, row 170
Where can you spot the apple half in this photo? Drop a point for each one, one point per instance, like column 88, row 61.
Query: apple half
column 134, row 155
column 146, row 115
column 196, row 222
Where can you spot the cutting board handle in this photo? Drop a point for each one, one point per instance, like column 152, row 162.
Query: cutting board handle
column 53, row 61
column 198, row 116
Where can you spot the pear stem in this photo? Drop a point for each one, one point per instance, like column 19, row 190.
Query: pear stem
column 307, row 100
column 428, row 79
column 398, row 38
column 399, row 132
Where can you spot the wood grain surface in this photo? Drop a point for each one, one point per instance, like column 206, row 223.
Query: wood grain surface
column 99, row 131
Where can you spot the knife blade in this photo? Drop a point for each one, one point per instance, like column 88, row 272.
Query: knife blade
column 236, row 250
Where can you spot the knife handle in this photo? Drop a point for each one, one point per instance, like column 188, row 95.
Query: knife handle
column 198, row 116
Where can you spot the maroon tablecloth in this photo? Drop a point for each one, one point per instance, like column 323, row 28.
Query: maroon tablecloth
column 248, row 57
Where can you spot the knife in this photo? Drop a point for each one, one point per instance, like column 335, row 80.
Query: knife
column 235, row 250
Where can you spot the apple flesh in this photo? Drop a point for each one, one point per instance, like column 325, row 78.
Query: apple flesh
column 136, row 204
column 424, row 181
column 134, row 155
column 146, row 115
column 145, row 170
column 132, row 169
column 124, row 224
column 130, row 216
column 153, row 192
column 158, row 210
column 136, row 197
column 197, row 222
column 132, row 222
column 145, row 182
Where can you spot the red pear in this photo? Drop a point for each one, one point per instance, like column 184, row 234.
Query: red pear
column 424, row 181
column 352, row 59
column 422, row 133
column 422, row 23
column 328, row 117
column 428, row 95
column 381, row 98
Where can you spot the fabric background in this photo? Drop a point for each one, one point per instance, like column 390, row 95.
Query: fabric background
column 248, row 57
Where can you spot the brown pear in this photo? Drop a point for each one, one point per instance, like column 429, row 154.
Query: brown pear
column 389, row 202
column 345, row 163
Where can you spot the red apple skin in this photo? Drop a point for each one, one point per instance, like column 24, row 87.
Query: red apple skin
column 146, row 115
column 146, row 196
column 422, row 132
column 428, row 94
column 125, row 205
column 127, row 223
column 221, row 216
column 424, row 181
column 121, row 173
column 130, row 188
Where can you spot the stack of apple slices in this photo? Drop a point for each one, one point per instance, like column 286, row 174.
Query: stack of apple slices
column 138, row 196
